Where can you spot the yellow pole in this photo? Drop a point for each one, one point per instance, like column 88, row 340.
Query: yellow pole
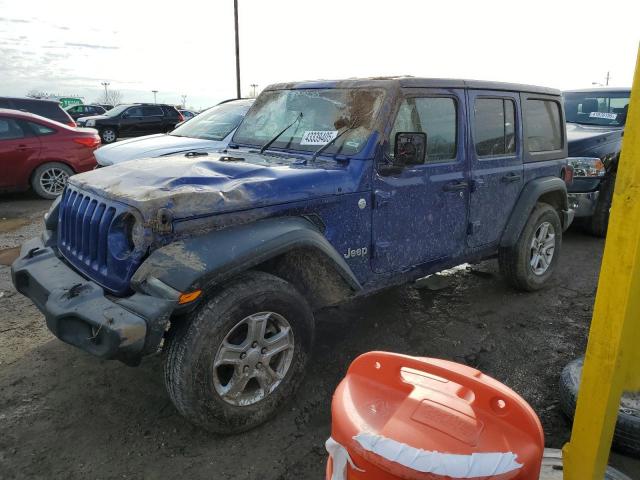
column 612, row 362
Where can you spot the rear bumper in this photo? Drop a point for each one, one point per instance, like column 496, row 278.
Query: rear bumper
column 78, row 312
column 584, row 204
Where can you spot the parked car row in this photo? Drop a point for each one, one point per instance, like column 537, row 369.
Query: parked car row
column 326, row 191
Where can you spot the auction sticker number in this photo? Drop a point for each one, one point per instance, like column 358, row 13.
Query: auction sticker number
column 606, row 115
column 318, row 137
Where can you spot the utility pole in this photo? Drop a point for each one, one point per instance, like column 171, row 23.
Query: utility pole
column 184, row 101
column 607, row 84
column 154, row 96
column 253, row 91
column 106, row 94
column 235, row 16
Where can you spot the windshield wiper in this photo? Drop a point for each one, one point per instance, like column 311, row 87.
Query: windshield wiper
column 327, row 145
column 270, row 142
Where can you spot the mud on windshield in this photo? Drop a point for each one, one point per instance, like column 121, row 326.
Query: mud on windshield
column 315, row 118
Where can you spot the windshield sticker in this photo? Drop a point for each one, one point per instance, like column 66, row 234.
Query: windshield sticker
column 352, row 144
column 608, row 116
column 318, row 137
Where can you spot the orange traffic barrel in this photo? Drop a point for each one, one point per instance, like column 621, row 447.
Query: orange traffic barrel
column 401, row 417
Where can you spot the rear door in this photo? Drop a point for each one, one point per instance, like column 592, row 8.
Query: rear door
column 153, row 120
column 496, row 154
column 131, row 121
column 19, row 150
column 420, row 212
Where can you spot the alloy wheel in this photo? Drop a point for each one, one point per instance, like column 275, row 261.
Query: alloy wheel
column 53, row 180
column 543, row 246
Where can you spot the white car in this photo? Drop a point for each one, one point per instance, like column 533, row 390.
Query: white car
column 210, row 130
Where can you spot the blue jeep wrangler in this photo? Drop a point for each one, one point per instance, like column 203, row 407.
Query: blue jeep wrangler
column 329, row 189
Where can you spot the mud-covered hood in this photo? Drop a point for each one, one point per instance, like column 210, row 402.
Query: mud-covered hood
column 199, row 186
column 582, row 138
column 152, row 146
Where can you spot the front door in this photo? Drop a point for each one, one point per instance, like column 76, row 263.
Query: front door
column 420, row 212
column 496, row 163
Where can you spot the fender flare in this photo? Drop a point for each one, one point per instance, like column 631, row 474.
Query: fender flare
column 529, row 196
column 211, row 258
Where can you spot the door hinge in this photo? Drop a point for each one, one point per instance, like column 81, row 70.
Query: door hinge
column 472, row 227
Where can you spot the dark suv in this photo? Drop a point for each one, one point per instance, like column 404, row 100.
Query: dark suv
column 77, row 111
column 133, row 120
column 45, row 108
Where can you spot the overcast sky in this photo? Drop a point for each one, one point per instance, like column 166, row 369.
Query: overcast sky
column 186, row 47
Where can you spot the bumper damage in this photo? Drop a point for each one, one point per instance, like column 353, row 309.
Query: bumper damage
column 584, row 204
column 78, row 312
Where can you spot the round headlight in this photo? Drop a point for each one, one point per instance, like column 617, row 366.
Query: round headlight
column 137, row 234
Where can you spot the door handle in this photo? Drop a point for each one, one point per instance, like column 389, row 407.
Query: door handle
column 512, row 177
column 455, row 186
column 22, row 147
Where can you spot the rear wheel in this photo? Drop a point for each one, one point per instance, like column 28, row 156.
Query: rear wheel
column 531, row 261
column 108, row 135
column 242, row 354
column 49, row 179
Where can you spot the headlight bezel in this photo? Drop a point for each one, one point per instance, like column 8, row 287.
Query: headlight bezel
column 587, row 167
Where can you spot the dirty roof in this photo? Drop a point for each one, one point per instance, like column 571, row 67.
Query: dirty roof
column 414, row 82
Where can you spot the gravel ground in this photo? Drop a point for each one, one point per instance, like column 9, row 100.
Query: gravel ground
column 64, row 414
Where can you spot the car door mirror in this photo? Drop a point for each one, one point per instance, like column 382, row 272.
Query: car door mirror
column 410, row 148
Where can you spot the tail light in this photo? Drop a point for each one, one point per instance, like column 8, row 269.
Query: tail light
column 88, row 141
column 181, row 117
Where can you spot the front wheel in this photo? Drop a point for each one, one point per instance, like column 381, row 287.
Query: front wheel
column 529, row 263
column 49, row 180
column 108, row 135
column 241, row 355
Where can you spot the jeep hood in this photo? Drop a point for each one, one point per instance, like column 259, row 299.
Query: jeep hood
column 582, row 138
column 152, row 146
column 200, row 186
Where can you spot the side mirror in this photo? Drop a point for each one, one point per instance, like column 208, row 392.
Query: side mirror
column 410, row 148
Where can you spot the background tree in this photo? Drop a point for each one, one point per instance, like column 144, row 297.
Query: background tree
column 112, row 97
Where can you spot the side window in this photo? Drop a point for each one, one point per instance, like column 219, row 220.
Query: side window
column 436, row 117
column 542, row 119
column 10, row 129
column 152, row 111
column 494, row 127
column 40, row 130
column 134, row 112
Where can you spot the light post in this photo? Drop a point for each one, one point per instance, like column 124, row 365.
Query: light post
column 154, row 96
column 184, row 101
column 106, row 94
column 235, row 17
column 253, row 91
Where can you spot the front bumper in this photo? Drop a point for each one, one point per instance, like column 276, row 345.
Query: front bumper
column 78, row 312
column 584, row 204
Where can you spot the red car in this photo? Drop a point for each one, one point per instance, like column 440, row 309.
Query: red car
column 40, row 153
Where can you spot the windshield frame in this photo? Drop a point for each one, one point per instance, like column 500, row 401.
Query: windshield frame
column 594, row 94
column 374, row 124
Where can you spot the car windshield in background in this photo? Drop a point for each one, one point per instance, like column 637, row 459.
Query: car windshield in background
column 115, row 111
column 213, row 124
column 596, row 108
column 316, row 116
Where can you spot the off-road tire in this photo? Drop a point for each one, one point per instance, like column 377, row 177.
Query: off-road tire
column 514, row 260
column 106, row 137
column 191, row 347
column 42, row 170
column 626, row 437
column 599, row 221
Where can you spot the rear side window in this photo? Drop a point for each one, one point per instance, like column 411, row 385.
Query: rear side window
column 152, row 112
column 172, row 112
column 542, row 119
column 494, row 127
column 135, row 112
column 10, row 129
column 40, row 130
column 435, row 116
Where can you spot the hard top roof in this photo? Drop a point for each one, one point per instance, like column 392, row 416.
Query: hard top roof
column 414, row 82
column 29, row 99
column 599, row 90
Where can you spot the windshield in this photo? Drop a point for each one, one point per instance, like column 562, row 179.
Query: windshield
column 115, row 111
column 213, row 124
column 596, row 108
column 323, row 115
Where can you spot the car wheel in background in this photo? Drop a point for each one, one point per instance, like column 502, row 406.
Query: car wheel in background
column 108, row 135
column 531, row 261
column 49, row 179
